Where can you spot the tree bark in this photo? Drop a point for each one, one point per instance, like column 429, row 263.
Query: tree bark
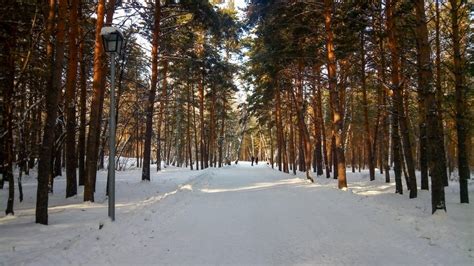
column 93, row 136
column 83, row 106
column 318, row 157
column 52, row 99
column 188, row 126
column 462, row 115
column 368, row 137
column 201, row 124
column 161, row 114
column 151, row 96
column 385, row 140
column 303, row 129
column 221, row 140
column 423, row 142
column 70, row 104
column 323, row 134
column 436, row 162
column 439, row 89
column 334, row 97
column 405, row 133
column 7, row 83
column 279, row 128
column 196, row 142
column 392, row 43
column 292, row 134
column 212, row 127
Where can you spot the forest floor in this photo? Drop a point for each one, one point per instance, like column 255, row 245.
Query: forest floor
column 239, row 215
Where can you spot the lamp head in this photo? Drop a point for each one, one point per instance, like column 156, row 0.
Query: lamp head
column 112, row 38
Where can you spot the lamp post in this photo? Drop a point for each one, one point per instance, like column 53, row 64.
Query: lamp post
column 112, row 39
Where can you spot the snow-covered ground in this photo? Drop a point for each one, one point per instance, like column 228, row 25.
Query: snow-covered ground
column 239, row 215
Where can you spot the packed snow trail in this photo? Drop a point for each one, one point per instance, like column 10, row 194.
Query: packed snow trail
column 256, row 215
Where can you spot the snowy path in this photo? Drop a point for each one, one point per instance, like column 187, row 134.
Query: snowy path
column 255, row 215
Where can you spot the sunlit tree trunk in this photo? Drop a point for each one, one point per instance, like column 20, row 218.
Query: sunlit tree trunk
column 334, row 97
column 98, row 91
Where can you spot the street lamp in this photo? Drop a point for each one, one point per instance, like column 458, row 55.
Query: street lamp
column 112, row 39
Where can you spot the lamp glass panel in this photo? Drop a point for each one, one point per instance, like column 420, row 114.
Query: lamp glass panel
column 113, row 42
column 111, row 46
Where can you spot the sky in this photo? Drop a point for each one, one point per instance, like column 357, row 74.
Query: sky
column 240, row 3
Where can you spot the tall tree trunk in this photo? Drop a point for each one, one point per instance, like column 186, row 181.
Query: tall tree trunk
column 222, row 133
column 151, row 96
column 272, row 148
column 292, row 134
column 323, row 134
column 385, row 140
column 98, row 87
column 7, row 82
column 439, row 89
column 423, row 157
column 423, row 134
column 202, row 147
column 462, row 111
column 279, row 128
column 70, row 103
column 188, row 126
column 161, row 113
column 318, row 157
column 396, row 143
column 406, row 139
column 353, row 147
column 196, row 142
column 212, row 126
column 334, row 97
column 435, row 155
column 368, row 137
column 303, row 129
column 52, row 99
column 334, row 155
column 82, row 119
column 405, row 133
